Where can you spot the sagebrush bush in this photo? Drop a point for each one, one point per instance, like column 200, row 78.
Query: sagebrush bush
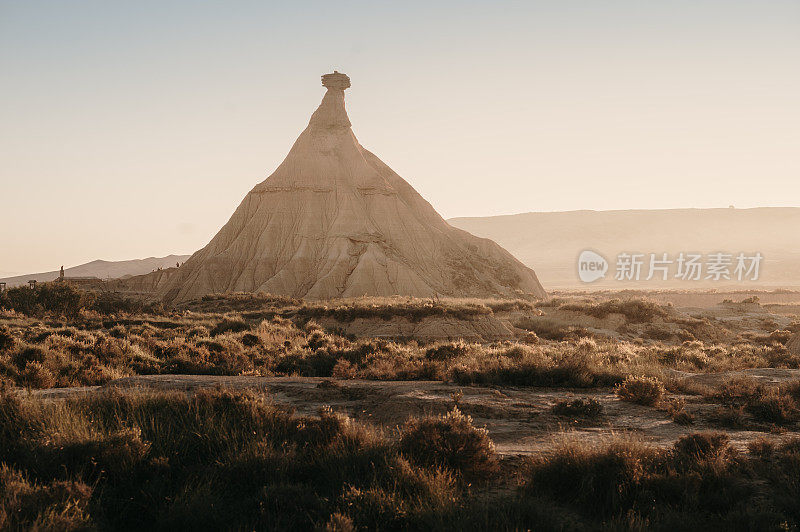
column 598, row 480
column 702, row 446
column 641, row 390
column 450, row 441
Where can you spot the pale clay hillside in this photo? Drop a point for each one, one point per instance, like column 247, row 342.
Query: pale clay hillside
column 334, row 221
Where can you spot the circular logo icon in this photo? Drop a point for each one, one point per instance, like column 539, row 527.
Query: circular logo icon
column 591, row 266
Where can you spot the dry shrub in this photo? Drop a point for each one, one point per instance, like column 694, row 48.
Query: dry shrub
column 6, row 339
column 35, row 375
column 111, row 303
column 339, row 523
column 197, row 332
column 447, row 351
column 634, row 310
column 767, row 404
column 697, row 485
column 773, row 406
column 761, row 447
column 344, row 370
column 229, row 325
column 703, row 446
column 27, row 505
column 729, row 416
column 550, row 329
column 250, row 340
column 588, row 408
column 597, row 479
column 112, row 454
column 641, row 390
column 450, row 441
column 677, row 411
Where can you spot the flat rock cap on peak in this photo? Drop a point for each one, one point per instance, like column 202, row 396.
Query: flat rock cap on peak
column 336, row 81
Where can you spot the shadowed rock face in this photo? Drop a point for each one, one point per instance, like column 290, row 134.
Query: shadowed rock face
column 334, row 221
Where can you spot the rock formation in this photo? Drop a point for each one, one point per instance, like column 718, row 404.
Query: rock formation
column 334, row 221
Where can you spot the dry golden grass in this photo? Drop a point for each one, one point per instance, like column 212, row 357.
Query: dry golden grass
column 263, row 335
column 235, row 460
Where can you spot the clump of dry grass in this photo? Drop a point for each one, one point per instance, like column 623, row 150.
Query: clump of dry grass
column 606, row 477
column 447, row 351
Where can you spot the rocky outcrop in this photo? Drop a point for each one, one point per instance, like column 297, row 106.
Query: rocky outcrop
column 334, row 221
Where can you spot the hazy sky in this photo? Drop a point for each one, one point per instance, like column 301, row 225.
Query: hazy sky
column 133, row 129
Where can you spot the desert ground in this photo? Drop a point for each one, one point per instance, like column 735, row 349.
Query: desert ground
column 581, row 411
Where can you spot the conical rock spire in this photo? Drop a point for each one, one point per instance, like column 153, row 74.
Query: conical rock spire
column 335, row 221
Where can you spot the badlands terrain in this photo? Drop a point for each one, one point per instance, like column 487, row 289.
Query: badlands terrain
column 255, row 386
column 618, row 410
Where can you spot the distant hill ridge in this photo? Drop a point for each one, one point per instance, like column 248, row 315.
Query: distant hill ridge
column 102, row 269
column 550, row 242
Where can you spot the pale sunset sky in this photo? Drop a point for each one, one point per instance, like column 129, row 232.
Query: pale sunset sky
column 134, row 129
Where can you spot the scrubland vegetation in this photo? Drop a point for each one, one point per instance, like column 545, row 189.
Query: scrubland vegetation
column 49, row 352
column 57, row 344
column 237, row 460
column 223, row 460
